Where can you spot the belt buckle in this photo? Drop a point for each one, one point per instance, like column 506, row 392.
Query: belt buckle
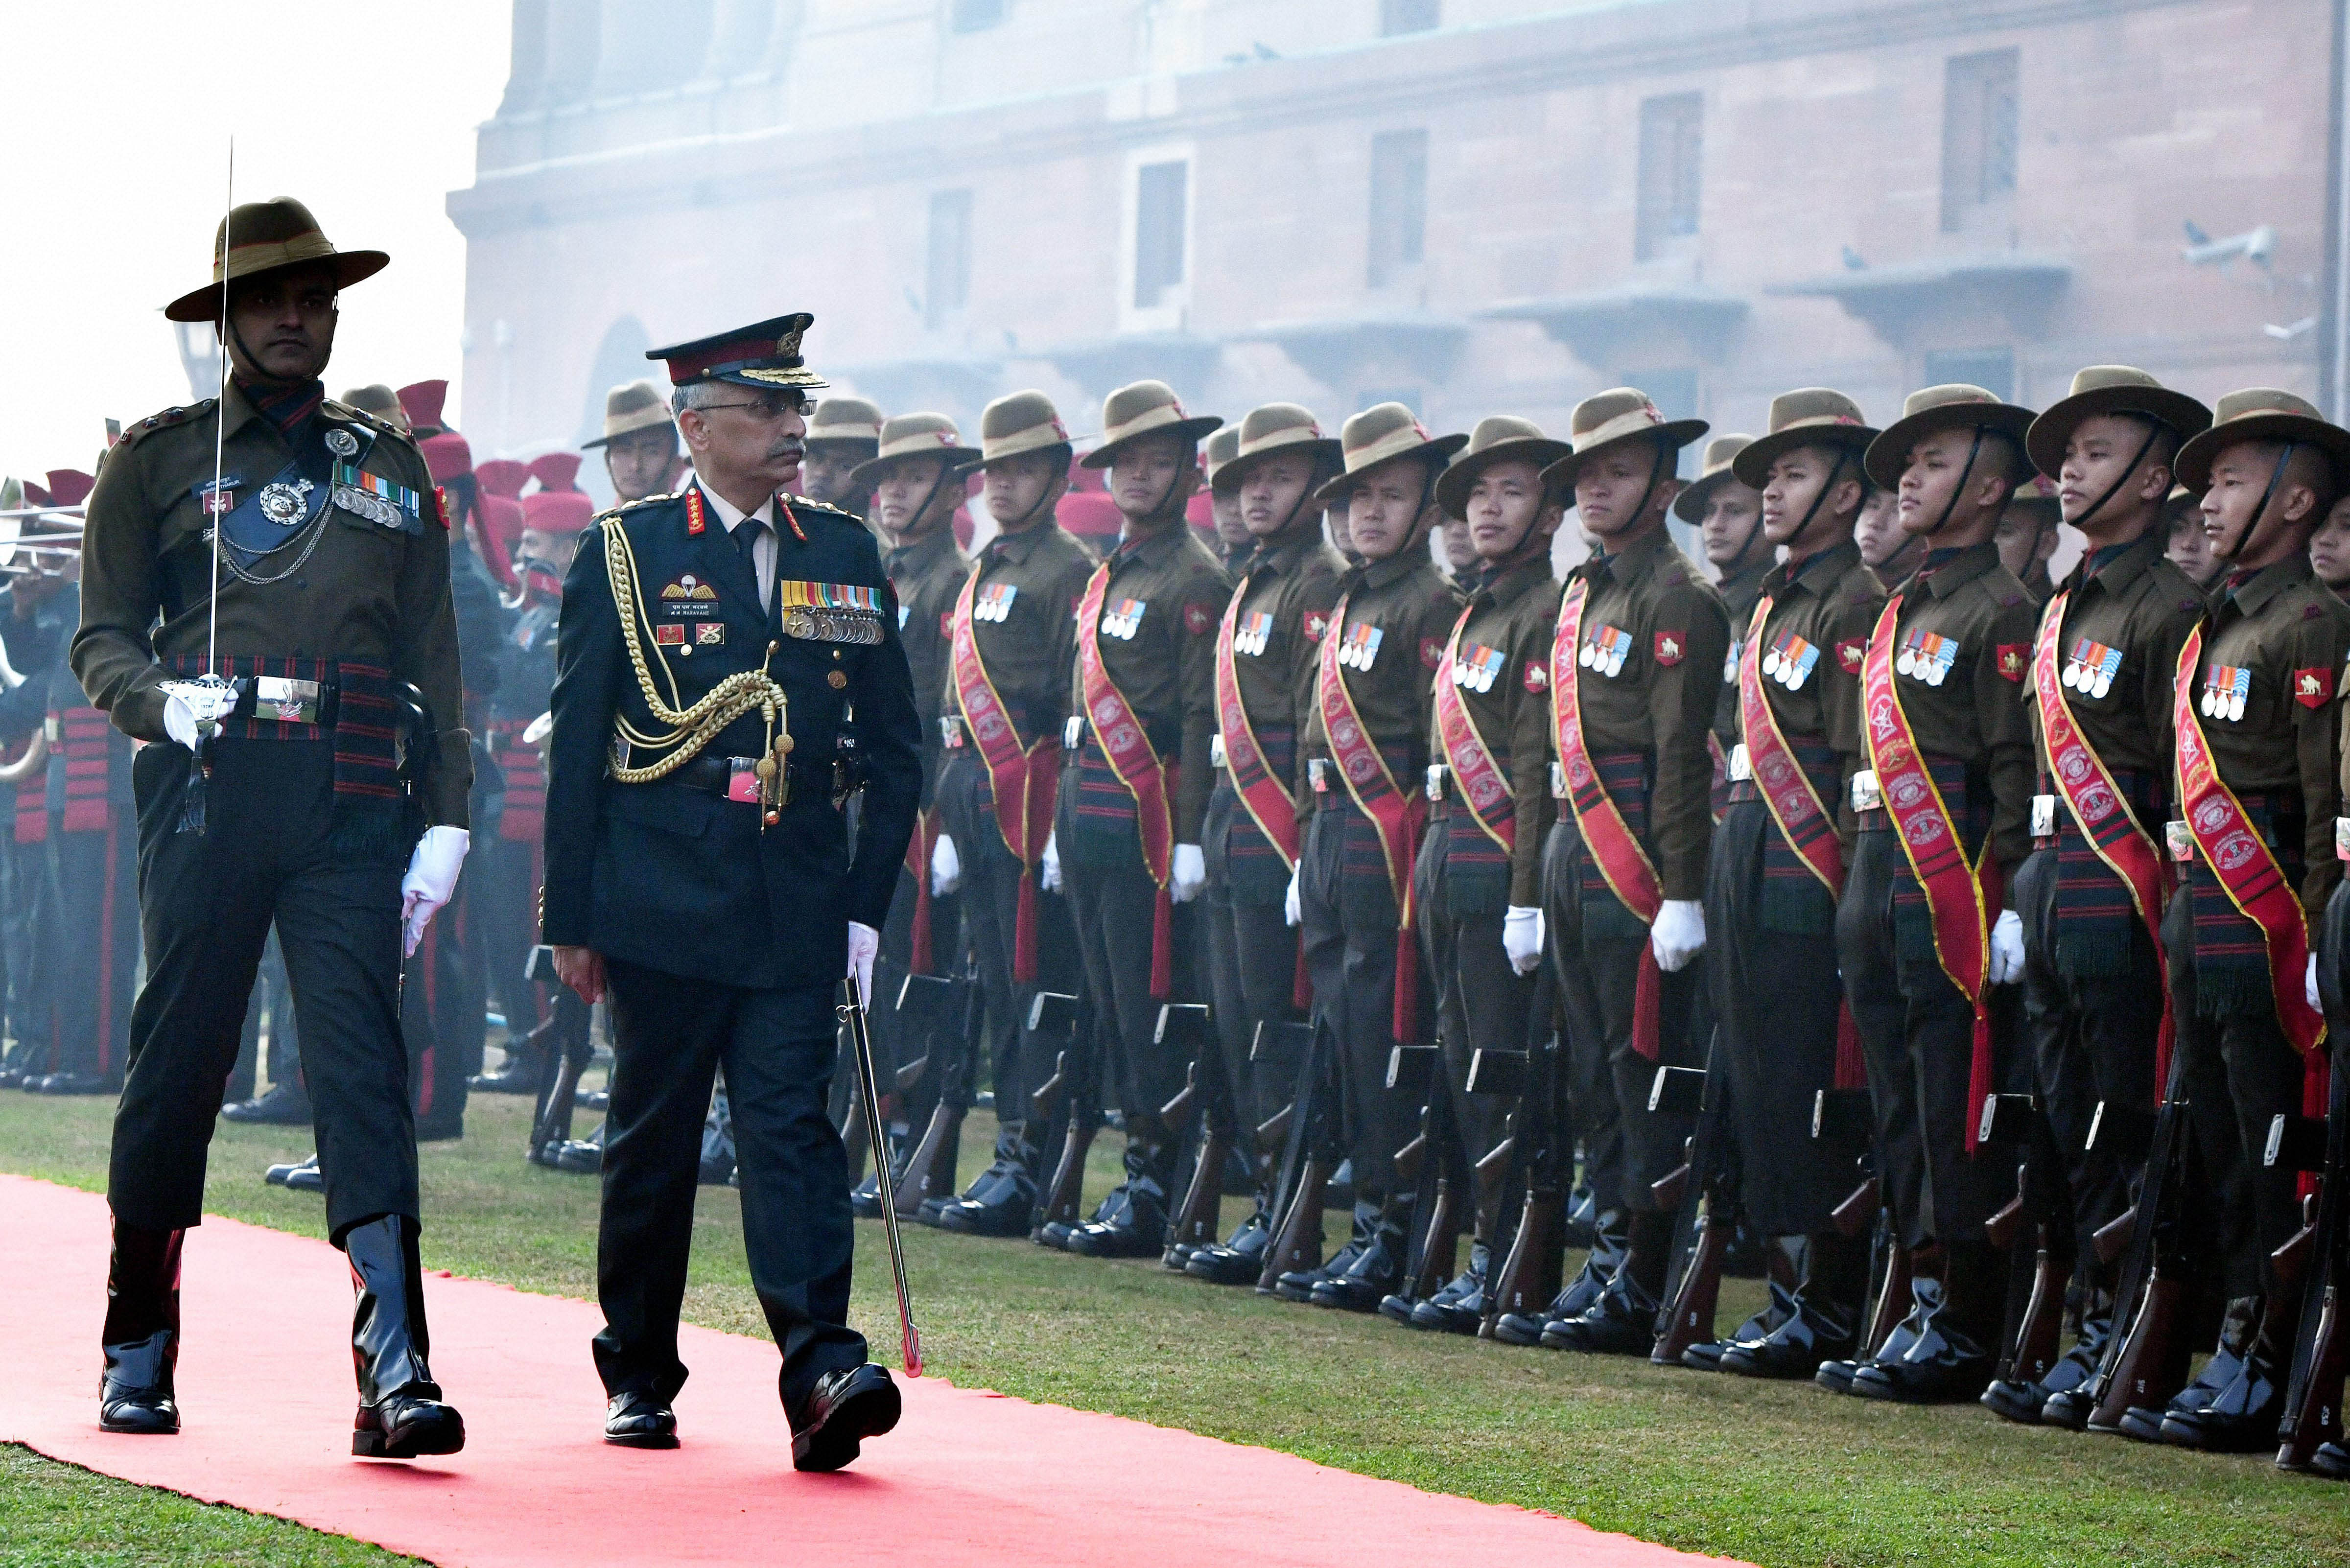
column 2043, row 816
column 950, row 731
column 1217, row 757
column 2181, row 839
column 743, row 780
column 1865, row 796
column 288, row 701
column 1741, row 766
column 1435, row 785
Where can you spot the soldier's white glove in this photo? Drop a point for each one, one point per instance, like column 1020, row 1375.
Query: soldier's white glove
column 2007, row 948
column 1678, row 933
column 1293, row 904
column 946, row 867
column 1051, row 874
column 1522, row 938
column 864, row 941
column 191, row 709
column 2309, row 985
column 1188, row 875
column 431, row 878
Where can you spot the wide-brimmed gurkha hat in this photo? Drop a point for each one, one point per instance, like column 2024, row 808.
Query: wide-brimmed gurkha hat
column 1497, row 437
column 849, row 421
column 903, row 438
column 1143, row 409
column 1809, row 416
column 267, row 236
column 1610, row 419
column 379, row 401
column 1957, row 406
column 1222, row 448
column 1014, row 425
column 2110, row 390
column 2260, row 415
column 1268, row 430
column 763, row 354
column 1712, row 474
column 1381, row 434
column 637, row 405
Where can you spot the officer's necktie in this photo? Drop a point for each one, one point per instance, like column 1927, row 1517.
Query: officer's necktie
column 745, row 535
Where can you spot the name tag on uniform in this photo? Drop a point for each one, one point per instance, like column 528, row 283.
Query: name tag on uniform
column 1741, row 766
column 1865, row 796
column 1123, row 618
column 1435, row 785
column 2180, row 839
column 2043, row 816
column 993, row 602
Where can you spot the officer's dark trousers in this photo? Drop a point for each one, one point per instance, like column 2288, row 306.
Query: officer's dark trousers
column 991, row 920
column 1772, row 974
column 28, row 926
column 2092, row 1040
column 1481, row 1004
column 1112, row 902
column 206, row 901
column 1599, row 977
column 1349, row 930
column 94, row 878
column 669, row 1036
column 273, row 1001
column 1917, row 1032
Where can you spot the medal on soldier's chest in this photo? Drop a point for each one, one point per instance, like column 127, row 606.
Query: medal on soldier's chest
column 1790, row 661
column 286, row 504
column 2225, row 688
column 1123, row 618
column 1926, row 656
column 2092, row 668
column 993, row 602
column 1477, row 668
column 1360, row 646
column 1254, row 633
column 1606, row 650
column 831, row 612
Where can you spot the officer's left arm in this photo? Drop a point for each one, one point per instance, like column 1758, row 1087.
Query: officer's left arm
column 1205, row 594
column 890, row 741
column 2003, row 667
column 2319, row 643
column 424, row 651
column 591, row 661
column 1682, row 705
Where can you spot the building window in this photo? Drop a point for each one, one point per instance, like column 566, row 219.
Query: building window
column 1978, row 136
column 1992, row 370
column 1398, row 203
column 1397, row 16
column 973, row 15
column 1672, row 152
column 948, row 287
column 1160, row 193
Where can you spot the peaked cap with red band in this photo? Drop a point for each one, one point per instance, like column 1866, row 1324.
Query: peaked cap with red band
column 763, row 354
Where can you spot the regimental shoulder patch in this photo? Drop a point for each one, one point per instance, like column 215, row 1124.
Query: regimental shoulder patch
column 1199, row 619
column 2013, row 657
column 2312, row 688
column 1671, row 647
column 946, row 623
column 1316, row 623
column 1850, row 654
column 1537, row 675
column 441, row 505
column 1431, row 651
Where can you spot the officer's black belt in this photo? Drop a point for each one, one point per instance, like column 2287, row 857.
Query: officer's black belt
column 715, row 776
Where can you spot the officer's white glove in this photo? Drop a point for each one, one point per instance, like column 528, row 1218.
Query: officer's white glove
column 946, row 867
column 180, row 722
column 1678, row 933
column 1522, row 938
column 2007, row 948
column 1188, row 875
column 2309, row 985
column 864, row 941
column 1293, row 903
column 432, row 877
column 191, row 709
column 1051, row 874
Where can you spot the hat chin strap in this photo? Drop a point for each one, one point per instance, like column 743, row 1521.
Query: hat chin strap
column 2276, row 479
column 1974, row 450
column 1827, row 487
column 2115, row 487
column 1657, row 477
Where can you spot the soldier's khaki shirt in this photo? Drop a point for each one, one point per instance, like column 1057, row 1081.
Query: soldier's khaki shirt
column 1512, row 614
column 1739, row 593
column 927, row 575
column 1167, row 668
column 1831, row 601
column 1037, row 575
column 1402, row 608
column 1293, row 581
column 1977, row 713
column 2290, row 633
column 2138, row 606
column 369, row 594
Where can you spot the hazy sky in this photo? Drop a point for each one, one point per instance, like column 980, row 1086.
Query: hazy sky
column 114, row 166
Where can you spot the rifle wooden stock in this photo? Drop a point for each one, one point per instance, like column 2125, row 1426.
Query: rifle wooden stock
column 2038, row 1339
column 931, row 1169
column 1067, row 1093
column 2321, row 1350
column 1298, row 1244
column 1412, row 1159
column 1427, row 1164
column 2146, row 1361
column 1670, row 1190
column 1688, row 1318
column 1046, row 1099
column 2112, row 1239
column 1273, row 1131
column 1196, row 1222
column 1892, row 1301
column 2152, row 1363
column 1178, row 1111
column 554, row 1123
column 909, row 1077
column 1064, row 1196
column 1528, row 1280
column 2002, row 1228
column 1437, row 1246
column 1494, row 1169
column 1857, row 1213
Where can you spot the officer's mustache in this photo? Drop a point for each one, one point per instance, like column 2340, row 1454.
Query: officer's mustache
column 795, row 450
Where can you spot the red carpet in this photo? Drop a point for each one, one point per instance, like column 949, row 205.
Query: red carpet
column 265, row 1388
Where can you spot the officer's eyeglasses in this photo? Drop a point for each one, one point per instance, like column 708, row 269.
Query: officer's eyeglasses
column 766, row 411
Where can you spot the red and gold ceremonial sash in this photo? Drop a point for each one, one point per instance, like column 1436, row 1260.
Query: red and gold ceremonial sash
column 2231, row 847
column 1396, row 818
column 1265, row 797
column 1803, row 821
column 1957, row 900
column 1023, row 782
column 1124, row 743
column 1477, row 780
column 2099, row 810
column 1607, row 838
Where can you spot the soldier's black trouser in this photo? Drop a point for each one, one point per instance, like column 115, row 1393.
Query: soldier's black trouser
column 507, row 909
column 94, row 878
column 1916, row 1031
column 2092, row 1040
column 1349, row 930
column 1112, row 902
column 990, row 919
column 1770, row 964
column 1598, row 976
column 1253, row 974
column 669, row 1036
column 28, row 926
column 206, row 901
column 2218, row 1232
column 1481, row 1004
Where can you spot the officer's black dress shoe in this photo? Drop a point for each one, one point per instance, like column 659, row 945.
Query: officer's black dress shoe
column 639, row 1421
column 521, row 1075
column 70, row 1084
column 2331, row 1461
column 1622, row 1322
column 1579, row 1296
column 1706, row 1354
column 301, row 1175
column 1835, row 1376
column 1239, row 1261
column 141, row 1337
column 284, row 1105
column 1000, row 1203
column 2025, row 1401
column 2237, row 1330
column 846, row 1408
column 402, row 1414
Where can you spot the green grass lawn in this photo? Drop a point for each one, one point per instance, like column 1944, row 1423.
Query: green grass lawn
column 1776, row 1474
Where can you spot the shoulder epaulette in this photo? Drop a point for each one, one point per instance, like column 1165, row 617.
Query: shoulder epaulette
column 164, row 420
column 641, row 501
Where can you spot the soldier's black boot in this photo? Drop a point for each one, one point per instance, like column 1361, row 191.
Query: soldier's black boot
column 2064, row 1389
column 1623, row 1320
column 141, row 1338
column 1132, row 1220
column 400, row 1414
column 285, row 1105
column 1240, row 1260
column 1002, row 1200
column 1378, row 1268
column 2331, row 1461
column 1823, row 1324
column 1952, row 1357
column 2239, row 1325
column 1297, row 1284
column 1459, row 1306
column 1609, row 1238
column 2241, row 1417
column 525, row 1071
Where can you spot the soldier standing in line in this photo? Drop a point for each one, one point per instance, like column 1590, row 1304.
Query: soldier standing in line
column 2189, row 548
column 2329, row 550
column 1233, row 542
column 842, row 433
column 1126, row 829
column 1011, row 645
column 640, row 442
column 1634, row 666
column 38, row 622
column 1267, row 640
column 1888, row 552
column 2257, row 715
column 1928, row 923
column 2027, row 536
column 1777, row 867
column 1365, row 746
column 1480, row 913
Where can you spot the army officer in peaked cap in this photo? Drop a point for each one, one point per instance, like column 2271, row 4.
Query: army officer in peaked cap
column 718, row 650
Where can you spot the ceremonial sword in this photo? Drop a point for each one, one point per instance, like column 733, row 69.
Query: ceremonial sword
column 869, row 1095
